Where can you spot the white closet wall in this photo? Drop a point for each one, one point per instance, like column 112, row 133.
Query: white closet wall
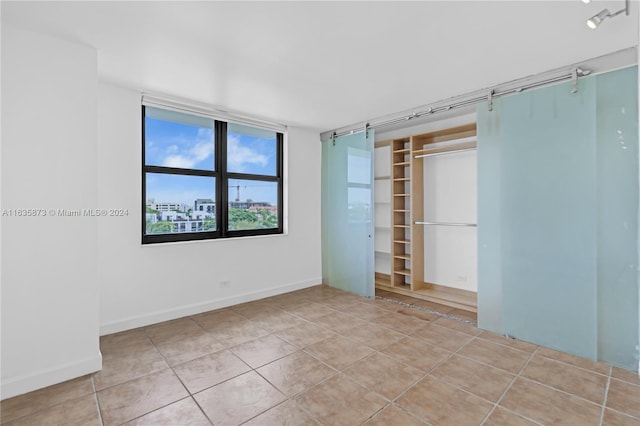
column 450, row 195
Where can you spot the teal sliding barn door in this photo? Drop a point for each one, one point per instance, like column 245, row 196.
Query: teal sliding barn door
column 558, row 217
column 347, row 213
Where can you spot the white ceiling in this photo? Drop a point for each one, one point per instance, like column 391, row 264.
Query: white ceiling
column 327, row 64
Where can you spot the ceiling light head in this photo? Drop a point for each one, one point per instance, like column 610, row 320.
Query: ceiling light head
column 586, row 1
column 596, row 20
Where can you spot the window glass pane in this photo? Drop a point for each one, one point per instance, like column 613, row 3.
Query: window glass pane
column 253, row 204
column 173, row 139
column 251, row 150
column 178, row 203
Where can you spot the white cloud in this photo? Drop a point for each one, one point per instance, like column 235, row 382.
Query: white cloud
column 202, row 150
column 238, row 156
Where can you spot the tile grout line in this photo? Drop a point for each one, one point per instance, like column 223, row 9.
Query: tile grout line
column 47, row 407
column 335, row 372
column 548, row 386
column 515, row 377
column 95, row 394
column 348, row 377
column 589, row 370
column 606, row 394
column 427, row 373
column 189, row 394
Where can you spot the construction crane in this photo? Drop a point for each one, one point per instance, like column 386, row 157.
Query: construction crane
column 237, row 187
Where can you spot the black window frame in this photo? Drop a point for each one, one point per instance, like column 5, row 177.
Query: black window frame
column 222, row 177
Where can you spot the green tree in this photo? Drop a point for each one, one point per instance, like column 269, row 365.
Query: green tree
column 242, row 219
column 269, row 220
column 158, row 228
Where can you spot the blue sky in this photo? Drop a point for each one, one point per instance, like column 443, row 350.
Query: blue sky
column 180, row 140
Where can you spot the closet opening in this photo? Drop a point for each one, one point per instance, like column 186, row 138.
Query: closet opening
column 426, row 216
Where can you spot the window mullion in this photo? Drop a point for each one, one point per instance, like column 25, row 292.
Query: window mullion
column 222, row 193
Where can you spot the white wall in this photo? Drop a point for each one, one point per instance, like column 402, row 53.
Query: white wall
column 140, row 285
column 69, row 143
column 49, row 283
column 450, row 195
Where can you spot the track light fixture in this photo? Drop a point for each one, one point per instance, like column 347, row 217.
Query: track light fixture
column 596, row 20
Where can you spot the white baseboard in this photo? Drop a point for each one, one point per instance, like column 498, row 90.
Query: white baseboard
column 51, row 376
column 183, row 311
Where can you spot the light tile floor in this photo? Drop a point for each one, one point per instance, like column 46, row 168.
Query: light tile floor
column 322, row 356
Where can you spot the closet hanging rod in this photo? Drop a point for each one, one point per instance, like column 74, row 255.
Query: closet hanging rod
column 455, row 151
column 446, row 224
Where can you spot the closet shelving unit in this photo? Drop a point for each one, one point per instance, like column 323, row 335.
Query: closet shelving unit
column 382, row 201
column 401, row 265
column 407, row 204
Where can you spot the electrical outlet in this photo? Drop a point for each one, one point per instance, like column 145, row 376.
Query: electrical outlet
column 461, row 278
column 224, row 284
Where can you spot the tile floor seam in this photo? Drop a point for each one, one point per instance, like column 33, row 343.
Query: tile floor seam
column 201, row 409
column 48, row 407
column 141, row 376
column 606, row 394
column 154, row 410
column 626, row 381
column 479, row 336
column 387, row 400
column 95, row 395
column 306, row 411
column 272, row 407
column 437, row 379
column 516, row 414
column 467, row 357
column 573, row 365
column 442, row 380
column 409, row 413
column 561, row 391
column 332, row 300
column 171, row 367
column 321, row 361
column 221, row 382
column 259, row 414
column 292, row 398
column 189, row 394
column 273, row 360
column 631, row 416
column 375, row 414
column 334, row 372
column 496, row 404
column 398, row 361
column 428, row 373
column 192, row 395
column 334, row 368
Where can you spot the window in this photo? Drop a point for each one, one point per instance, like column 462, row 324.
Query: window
column 204, row 178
